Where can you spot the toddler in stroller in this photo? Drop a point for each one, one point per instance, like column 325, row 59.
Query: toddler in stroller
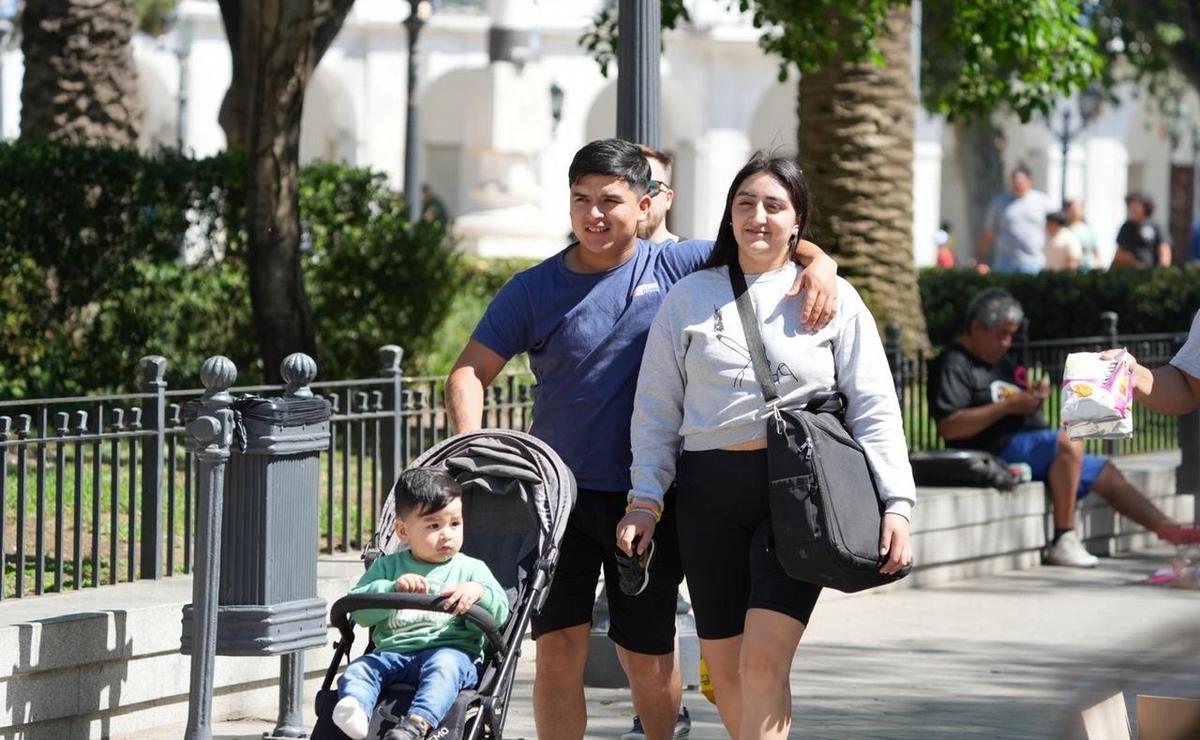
column 433, row 651
column 438, row 614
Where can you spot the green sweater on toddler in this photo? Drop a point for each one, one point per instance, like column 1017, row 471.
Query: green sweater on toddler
column 414, row 630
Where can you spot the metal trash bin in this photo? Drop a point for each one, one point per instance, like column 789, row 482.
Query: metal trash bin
column 264, row 559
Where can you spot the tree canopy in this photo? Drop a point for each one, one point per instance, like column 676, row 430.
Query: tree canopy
column 978, row 56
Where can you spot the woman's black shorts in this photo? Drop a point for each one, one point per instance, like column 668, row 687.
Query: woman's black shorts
column 724, row 526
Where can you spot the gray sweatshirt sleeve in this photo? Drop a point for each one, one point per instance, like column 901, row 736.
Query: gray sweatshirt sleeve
column 873, row 416
column 658, row 409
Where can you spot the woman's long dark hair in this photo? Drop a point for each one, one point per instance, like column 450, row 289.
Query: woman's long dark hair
column 788, row 173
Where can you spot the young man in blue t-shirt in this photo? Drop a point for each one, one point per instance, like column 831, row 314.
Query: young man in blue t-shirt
column 583, row 316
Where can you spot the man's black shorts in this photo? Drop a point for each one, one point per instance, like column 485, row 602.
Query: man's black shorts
column 641, row 624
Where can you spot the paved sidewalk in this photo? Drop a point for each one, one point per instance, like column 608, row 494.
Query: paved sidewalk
column 1010, row 656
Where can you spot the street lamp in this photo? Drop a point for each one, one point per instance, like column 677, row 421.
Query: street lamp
column 1090, row 100
column 639, row 84
column 1195, row 130
column 183, row 52
column 419, row 13
column 8, row 11
column 556, row 103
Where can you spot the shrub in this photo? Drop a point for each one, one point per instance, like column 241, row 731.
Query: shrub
column 373, row 277
column 482, row 279
column 1068, row 304
column 91, row 277
column 89, row 246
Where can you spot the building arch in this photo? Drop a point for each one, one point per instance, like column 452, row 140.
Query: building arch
column 682, row 127
column 774, row 127
column 159, row 107
column 329, row 126
column 445, row 108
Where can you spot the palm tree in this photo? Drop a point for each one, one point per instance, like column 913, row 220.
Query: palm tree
column 856, row 148
column 80, row 81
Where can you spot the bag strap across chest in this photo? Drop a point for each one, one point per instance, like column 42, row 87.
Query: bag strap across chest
column 833, row 403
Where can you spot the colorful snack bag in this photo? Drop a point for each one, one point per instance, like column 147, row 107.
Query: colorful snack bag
column 1097, row 396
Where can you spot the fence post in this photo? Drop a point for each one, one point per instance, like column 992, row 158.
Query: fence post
column 210, row 435
column 153, row 369
column 1108, row 324
column 895, row 356
column 391, row 356
column 298, row 370
column 1187, row 475
column 1023, row 340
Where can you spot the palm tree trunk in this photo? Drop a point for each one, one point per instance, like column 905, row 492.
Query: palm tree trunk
column 856, row 147
column 80, row 82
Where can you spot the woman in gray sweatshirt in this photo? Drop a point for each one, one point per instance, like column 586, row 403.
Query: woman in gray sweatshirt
column 699, row 420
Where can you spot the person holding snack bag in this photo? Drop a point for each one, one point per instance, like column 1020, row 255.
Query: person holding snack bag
column 1173, row 388
column 980, row 400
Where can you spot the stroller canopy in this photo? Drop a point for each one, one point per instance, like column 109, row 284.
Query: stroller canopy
column 517, row 495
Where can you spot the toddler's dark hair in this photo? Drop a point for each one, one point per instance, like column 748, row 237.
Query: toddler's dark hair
column 425, row 491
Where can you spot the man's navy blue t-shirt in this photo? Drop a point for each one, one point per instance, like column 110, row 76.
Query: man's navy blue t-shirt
column 585, row 334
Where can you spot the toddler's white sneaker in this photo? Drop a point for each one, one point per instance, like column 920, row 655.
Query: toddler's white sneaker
column 351, row 718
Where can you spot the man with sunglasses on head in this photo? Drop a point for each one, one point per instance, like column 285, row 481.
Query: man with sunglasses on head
column 654, row 228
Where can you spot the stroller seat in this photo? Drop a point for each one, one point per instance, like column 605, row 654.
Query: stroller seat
column 517, row 496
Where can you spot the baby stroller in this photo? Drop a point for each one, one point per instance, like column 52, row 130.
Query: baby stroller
column 517, row 495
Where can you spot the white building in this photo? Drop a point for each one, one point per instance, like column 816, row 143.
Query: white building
column 496, row 156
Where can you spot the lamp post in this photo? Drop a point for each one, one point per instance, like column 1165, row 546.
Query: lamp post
column 183, row 52
column 557, row 95
column 419, row 12
column 1195, row 130
column 639, row 87
column 8, row 11
column 1090, row 100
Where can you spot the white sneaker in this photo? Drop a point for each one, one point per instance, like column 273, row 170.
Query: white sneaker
column 351, row 718
column 1069, row 551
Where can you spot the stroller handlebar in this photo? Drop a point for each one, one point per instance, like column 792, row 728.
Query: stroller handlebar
column 339, row 613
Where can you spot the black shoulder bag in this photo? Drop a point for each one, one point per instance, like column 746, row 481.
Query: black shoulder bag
column 825, row 509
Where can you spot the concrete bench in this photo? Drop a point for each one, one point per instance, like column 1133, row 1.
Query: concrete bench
column 105, row 662
column 967, row 532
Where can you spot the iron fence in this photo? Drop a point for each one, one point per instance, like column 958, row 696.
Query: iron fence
column 1152, row 431
column 96, row 490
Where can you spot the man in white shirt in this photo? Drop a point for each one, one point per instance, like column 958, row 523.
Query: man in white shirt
column 1016, row 224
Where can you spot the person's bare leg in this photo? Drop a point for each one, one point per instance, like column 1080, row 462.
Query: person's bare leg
column 1063, row 480
column 722, row 658
column 559, row 707
column 768, row 646
column 1127, row 500
column 656, row 687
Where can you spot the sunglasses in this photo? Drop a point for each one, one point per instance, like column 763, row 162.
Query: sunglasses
column 657, row 187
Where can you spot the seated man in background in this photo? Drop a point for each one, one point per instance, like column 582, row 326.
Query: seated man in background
column 982, row 401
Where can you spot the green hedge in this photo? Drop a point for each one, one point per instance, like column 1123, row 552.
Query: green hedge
column 1068, row 304
column 91, row 277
